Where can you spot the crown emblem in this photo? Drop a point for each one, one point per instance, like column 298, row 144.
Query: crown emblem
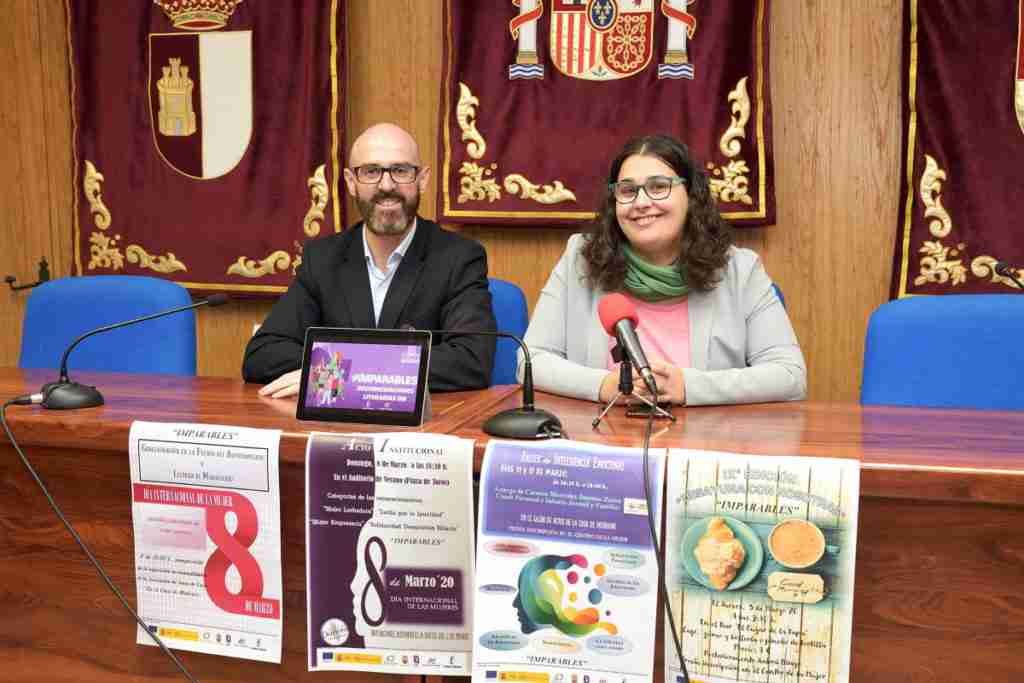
column 198, row 15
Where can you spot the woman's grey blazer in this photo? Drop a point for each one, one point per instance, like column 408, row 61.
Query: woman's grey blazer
column 742, row 345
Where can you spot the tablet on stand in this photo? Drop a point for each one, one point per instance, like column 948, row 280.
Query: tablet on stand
column 365, row 376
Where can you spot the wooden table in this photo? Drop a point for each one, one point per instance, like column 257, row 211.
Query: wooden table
column 939, row 571
column 940, row 557
column 61, row 623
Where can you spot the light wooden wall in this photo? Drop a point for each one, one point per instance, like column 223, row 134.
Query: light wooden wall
column 835, row 83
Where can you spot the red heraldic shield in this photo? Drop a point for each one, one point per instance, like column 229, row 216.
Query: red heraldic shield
column 598, row 40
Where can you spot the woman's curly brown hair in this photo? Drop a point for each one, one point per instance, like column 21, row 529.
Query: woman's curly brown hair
column 706, row 237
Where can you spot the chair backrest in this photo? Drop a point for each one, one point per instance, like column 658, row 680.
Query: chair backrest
column 510, row 312
column 60, row 310
column 949, row 351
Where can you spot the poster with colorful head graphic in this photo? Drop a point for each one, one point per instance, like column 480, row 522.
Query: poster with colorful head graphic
column 566, row 580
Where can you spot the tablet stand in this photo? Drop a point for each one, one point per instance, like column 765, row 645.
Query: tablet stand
column 428, row 411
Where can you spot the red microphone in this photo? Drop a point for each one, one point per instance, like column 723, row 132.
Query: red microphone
column 612, row 309
column 619, row 319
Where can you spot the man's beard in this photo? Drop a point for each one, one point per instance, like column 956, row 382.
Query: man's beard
column 403, row 214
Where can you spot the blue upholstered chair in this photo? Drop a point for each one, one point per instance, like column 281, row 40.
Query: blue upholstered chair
column 951, row 351
column 60, row 310
column 509, row 304
column 778, row 293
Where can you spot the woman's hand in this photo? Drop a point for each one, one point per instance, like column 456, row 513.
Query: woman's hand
column 609, row 386
column 671, row 386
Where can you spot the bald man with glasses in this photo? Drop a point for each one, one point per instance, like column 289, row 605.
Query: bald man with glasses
column 393, row 270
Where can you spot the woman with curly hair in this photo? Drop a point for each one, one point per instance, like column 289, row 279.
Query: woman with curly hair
column 711, row 323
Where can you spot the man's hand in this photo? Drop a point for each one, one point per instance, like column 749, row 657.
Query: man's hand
column 284, row 386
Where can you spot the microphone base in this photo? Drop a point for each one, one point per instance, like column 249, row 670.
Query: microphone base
column 523, row 423
column 70, row 396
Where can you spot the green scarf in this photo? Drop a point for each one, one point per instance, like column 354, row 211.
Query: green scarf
column 652, row 283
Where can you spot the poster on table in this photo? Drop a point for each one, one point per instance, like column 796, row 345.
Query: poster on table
column 567, row 581
column 760, row 560
column 206, row 512
column 389, row 553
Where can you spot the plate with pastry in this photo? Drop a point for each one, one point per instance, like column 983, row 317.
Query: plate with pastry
column 722, row 553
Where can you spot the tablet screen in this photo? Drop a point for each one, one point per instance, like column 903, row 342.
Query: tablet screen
column 373, row 376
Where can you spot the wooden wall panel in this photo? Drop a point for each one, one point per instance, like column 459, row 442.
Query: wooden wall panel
column 835, row 79
column 35, row 154
column 55, row 89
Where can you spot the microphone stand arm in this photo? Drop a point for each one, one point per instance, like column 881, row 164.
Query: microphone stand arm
column 1008, row 271
column 114, row 326
column 67, row 395
column 527, row 421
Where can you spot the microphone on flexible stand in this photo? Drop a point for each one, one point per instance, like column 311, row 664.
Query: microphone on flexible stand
column 1006, row 270
column 619, row 319
column 526, row 422
column 67, row 395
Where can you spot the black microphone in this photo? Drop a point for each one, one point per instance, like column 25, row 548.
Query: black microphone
column 67, row 395
column 1006, row 270
column 527, row 422
column 618, row 317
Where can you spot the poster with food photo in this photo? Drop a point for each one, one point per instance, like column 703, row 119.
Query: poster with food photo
column 760, row 561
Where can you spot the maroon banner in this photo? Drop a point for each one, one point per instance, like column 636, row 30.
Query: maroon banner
column 208, row 138
column 963, row 116
column 539, row 96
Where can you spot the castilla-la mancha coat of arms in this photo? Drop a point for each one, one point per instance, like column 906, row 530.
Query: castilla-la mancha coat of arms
column 200, row 88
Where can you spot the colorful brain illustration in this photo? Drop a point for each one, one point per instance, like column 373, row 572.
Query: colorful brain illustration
column 543, row 600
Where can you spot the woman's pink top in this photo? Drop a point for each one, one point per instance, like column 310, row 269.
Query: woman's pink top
column 664, row 332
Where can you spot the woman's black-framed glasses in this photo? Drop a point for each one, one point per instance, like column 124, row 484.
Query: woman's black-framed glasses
column 400, row 173
column 655, row 187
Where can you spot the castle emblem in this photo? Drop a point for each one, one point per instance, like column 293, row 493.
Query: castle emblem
column 200, row 88
column 176, row 115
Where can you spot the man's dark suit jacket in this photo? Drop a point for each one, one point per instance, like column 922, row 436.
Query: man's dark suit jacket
column 441, row 283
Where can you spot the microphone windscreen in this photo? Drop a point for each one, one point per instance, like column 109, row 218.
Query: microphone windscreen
column 613, row 308
column 216, row 299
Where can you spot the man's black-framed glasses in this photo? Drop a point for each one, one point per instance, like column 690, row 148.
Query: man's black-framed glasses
column 400, row 173
column 655, row 187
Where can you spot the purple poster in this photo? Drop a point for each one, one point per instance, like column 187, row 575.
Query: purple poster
column 363, row 376
column 389, row 553
column 567, row 579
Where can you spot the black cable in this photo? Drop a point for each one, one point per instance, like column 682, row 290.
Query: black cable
column 657, row 547
column 25, row 400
